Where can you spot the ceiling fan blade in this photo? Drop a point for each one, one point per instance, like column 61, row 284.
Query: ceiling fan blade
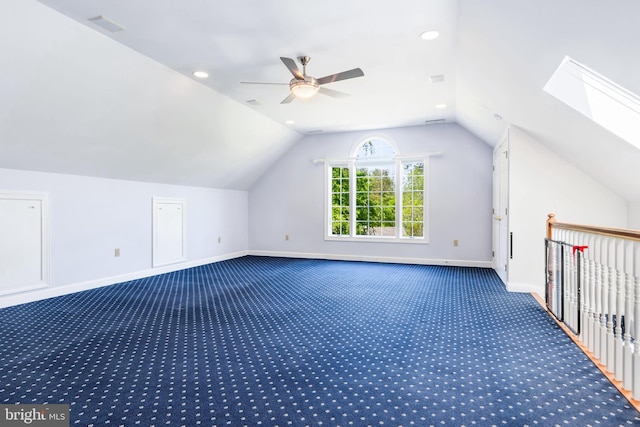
column 356, row 72
column 263, row 83
column 288, row 99
column 291, row 65
column 332, row 93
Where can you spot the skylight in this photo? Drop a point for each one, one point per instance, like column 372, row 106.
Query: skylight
column 598, row 98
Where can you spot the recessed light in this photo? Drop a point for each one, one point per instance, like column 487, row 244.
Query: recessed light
column 201, row 74
column 436, row 79
column 289, row 122
column 430, row 35
column 441, row 106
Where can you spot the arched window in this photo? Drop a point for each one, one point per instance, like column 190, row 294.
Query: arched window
column 376, row 194
column 374, row 148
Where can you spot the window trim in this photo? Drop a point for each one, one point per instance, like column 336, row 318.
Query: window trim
column 351, row 163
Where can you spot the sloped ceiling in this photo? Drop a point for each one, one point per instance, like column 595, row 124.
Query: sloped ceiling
column 507, row 51
column 495, row 56
column 74, row 101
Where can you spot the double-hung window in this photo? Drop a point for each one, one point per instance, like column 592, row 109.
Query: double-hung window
column 376, row 195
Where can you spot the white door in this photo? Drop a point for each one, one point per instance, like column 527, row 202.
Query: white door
column 501, row 210
column 169, row 245
column 23, row 242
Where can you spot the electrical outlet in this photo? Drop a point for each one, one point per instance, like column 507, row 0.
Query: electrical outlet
column 117, row 252
column 455, row 242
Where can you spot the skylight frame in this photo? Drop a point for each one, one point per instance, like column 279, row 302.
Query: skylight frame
column 598, row 98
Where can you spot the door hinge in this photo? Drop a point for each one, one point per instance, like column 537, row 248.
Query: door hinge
column 493, row 254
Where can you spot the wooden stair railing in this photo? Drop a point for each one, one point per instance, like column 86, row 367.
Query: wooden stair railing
column 622, row 233
column 593, row 285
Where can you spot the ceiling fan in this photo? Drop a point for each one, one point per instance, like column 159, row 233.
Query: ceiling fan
column 303, row 86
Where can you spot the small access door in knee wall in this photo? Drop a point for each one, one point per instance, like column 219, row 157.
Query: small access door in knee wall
column 169, row 231
column 24, row 242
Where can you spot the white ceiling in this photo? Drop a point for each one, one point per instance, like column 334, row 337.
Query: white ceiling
column 496, row 56
column 242, row 40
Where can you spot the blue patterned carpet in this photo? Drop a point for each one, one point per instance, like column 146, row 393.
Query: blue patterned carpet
column 279, row 342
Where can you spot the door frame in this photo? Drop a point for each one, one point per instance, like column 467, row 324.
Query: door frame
column 500, row 209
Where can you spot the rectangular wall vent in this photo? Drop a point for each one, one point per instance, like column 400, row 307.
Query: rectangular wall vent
column 434, row 122
column 106, row 24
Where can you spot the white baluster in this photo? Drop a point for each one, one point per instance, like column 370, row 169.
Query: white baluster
column 551, row 265
column 618, row 369
column 590, row 284
column 573, row 282
column 636, row 324
column 567, row 278
column 574, row 288
column 604, row 300
column 604, row 295
column 611, row 307
column 597, row 314
column 584, row 289
column 627, row 380
column 575, row 292
column 557, row 279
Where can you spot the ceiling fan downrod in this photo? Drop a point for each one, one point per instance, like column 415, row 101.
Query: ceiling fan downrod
column 304, row 60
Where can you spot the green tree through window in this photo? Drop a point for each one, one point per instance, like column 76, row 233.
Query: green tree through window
column 377, row 195
column 375, row 201
column 340, row 201
column 413, row 199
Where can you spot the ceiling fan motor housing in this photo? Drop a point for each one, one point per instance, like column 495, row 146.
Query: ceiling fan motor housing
column 304, row 88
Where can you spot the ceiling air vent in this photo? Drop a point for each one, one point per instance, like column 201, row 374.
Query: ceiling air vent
column 253, row 102
column 106, row 24
column 434, row 122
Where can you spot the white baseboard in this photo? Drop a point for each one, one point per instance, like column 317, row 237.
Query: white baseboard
column 56, row 291
column 525, row 288
column 369, row 258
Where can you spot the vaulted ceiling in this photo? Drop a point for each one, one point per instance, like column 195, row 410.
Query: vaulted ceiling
column 494, row 56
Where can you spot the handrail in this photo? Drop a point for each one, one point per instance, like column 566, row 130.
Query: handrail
column 603, row 231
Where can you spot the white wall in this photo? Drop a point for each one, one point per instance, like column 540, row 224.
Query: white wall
column 541, row 182
column 634, row 216
column 289, row 199
column 90, row 217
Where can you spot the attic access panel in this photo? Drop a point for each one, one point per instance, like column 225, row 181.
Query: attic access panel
column 598, row 98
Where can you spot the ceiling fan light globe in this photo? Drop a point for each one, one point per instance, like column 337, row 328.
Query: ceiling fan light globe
column 304, row 88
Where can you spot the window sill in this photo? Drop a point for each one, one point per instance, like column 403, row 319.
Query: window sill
column 412, row 241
